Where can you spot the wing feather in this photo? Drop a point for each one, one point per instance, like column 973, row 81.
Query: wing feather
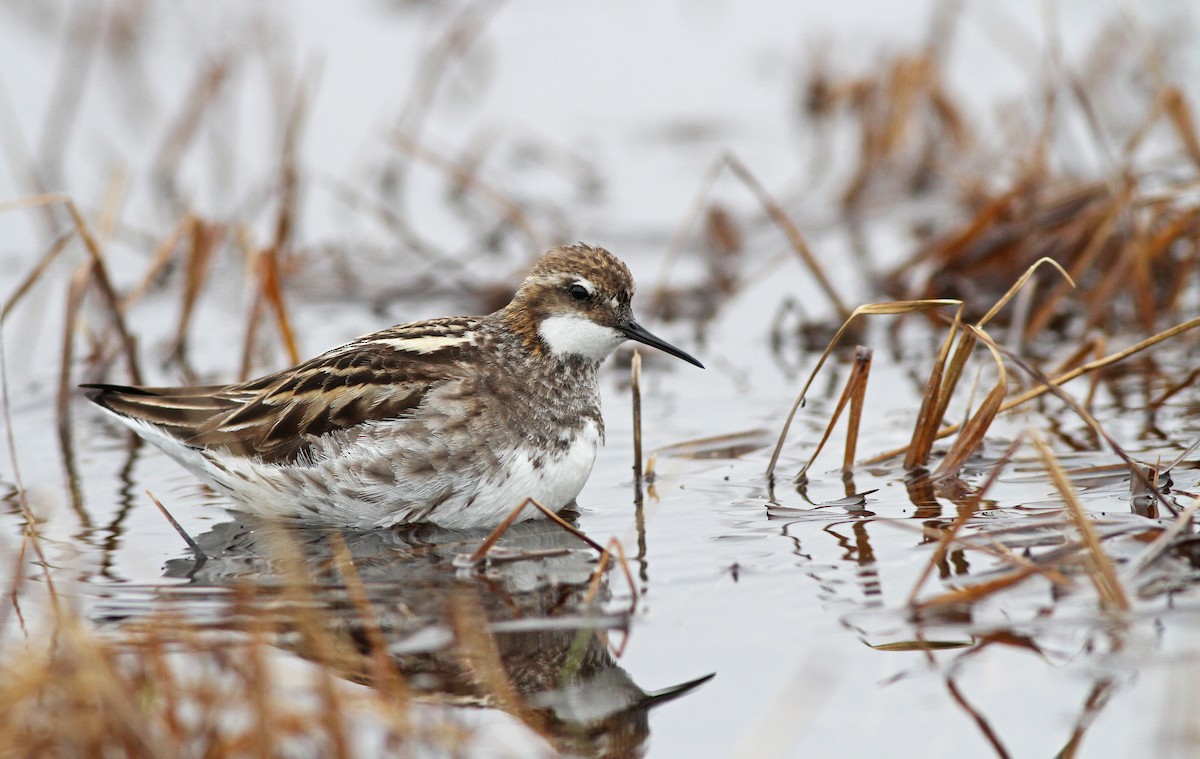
column 276, row 418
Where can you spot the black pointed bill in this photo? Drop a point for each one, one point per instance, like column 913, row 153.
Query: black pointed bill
column 635, row 331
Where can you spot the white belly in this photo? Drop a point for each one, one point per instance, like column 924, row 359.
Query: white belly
column 555, row 484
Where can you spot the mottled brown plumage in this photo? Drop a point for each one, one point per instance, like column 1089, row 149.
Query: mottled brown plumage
column 453, row 420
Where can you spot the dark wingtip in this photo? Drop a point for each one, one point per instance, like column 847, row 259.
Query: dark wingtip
column 97, row 393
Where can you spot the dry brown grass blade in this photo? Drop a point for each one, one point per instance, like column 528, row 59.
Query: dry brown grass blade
column 250, row 338
column 477, row 650
column 926, row 427
column 203, row 240
column 862, row 366
column 852, row 394
column 1182, row 523
column 108, row 294
column 636, row 391
column 1101, row 236
column 272, row 289
column 614, row 546
column 158, row 261
column 1093, row 424
column 31, row 530
column 385, row 677
column 1133, row 271
column 1181, row 118
column 966, row 510
column 1103, row 576
column 100, row 274
column 481, row 553
column 966, row 342
column 469, row 181
column 36, row 273
column 1050, row 385
column 795, row 238
column 66, row 389
column 893, row 308
column 197, row 552
column 975, row 592
column 976, row 427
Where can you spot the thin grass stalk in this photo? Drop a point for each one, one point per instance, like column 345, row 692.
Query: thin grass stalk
column 477, row 650
column 636, row 391
column 272, row 288
column 976, row 427
column 66, row 389
column 198, row 259
column 162, row 255
column 855, row 387
column 1164, row 541
column 614, row 547
column 197, row 552
column 794, row 236
column 965, row 512
column 1103, row 576
column 975, row 592
column 985, row 727
column 384, row 677
column 1181, row 118
column 108, row 294
column 59, row 244
column 1100, row 237
column 925, row 429
column 182, row 131
column 966, row 341
column 697, row 206
column 1093, row 424
column 30, row 528
column 896, row 307
column 481, row 553
column 469, row 181
column 862, row 368
column 253, row 318
column 1050, row 385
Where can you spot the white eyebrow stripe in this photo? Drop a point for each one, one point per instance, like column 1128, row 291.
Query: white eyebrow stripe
column 425, row 343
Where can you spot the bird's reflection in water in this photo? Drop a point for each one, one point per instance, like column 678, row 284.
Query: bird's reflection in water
column 531, row 597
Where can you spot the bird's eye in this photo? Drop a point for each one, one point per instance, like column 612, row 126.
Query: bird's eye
column 578, row 292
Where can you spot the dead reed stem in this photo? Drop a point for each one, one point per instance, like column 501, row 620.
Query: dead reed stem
column 384, row 675
column 66, row 389
column 469, row 180
column 481, row 553
column 896, row 307
column 636, row 391
column 197, row 552
column 965, row 512
column 480, row 656
column 973, row 432
column 31, row 531
column 794, row 236
column 1112, row 594
column 852, row 394
column 1050, row 385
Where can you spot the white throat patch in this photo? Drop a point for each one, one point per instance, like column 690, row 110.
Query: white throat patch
column 569, row 335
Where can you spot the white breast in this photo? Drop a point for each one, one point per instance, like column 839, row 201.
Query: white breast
column 555, row 484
